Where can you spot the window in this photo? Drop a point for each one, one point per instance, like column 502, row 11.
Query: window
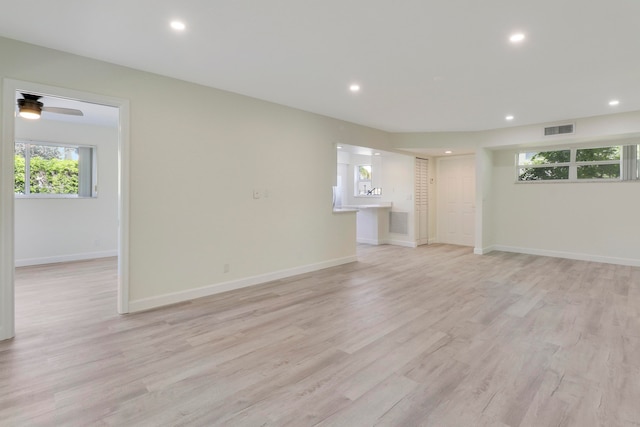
column 363, row 180
column 364, row 183
column 543, row 165
column 599, row 163
column 612, row 163
column 54, row 170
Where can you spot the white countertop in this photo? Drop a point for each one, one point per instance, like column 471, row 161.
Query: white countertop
column 372, row 206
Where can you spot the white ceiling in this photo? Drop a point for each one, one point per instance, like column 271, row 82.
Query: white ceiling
column 423, row 65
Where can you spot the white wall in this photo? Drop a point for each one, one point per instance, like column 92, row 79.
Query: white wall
column 193, row 173
column 591, row 221
column 484, row 201
column 56, row 230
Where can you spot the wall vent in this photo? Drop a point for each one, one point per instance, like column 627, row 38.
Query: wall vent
column 399, row 222
column 559, row 129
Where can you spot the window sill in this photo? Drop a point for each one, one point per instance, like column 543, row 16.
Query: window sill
column 577, row 181
column 52, row 196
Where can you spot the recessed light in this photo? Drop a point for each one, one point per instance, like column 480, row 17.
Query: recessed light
column 614, row 102
column 177, row 25
column 516, row 38
column 354, row 88
column 448, row 152
column 339, row 147
column 376, row 154
column 509, row 117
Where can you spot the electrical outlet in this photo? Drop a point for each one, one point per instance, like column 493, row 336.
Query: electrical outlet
column 257, row 194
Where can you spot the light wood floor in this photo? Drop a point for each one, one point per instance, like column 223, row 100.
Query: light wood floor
column 433, row 336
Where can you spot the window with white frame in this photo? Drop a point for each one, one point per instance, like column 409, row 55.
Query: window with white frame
column 363, row 179
column 612, row 163
column 364, row 182
column 544, row 165
column 45, row 169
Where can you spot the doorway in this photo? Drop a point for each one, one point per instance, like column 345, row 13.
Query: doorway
column 8, row 213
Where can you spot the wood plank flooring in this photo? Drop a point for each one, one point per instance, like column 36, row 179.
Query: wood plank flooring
column 434, row 336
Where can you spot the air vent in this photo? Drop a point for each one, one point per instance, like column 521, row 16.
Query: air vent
column 559, row 130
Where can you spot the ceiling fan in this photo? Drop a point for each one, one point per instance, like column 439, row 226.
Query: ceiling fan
column 30, row 107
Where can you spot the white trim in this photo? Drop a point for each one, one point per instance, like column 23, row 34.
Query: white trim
column 483, row 251
column 65, row 258
column 403, row 243
column 7, row 244
column 187, row 295
column 570, row 255
column 370, row 241
column 123, row 207
column 7, row 256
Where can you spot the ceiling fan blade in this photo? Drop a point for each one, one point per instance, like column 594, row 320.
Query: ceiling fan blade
column 60, row 110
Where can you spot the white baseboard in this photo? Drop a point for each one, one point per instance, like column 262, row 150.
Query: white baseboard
column 370, row 241
column 65, row 258
column 5, row 334
column 570, row 255
column 190, row 294
column 482, row 251
column 404, row 243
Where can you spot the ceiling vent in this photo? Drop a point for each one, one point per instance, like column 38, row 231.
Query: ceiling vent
column 559, row 129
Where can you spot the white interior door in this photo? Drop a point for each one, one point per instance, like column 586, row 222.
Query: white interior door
column 456, row 200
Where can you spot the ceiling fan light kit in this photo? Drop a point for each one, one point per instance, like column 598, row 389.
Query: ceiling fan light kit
column 30, row 107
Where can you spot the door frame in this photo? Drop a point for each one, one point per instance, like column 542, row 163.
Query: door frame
column 7, row 220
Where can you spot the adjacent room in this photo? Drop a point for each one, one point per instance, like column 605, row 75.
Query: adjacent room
column 347, row 214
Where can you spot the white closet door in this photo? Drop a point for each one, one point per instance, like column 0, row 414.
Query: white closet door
column 422, row 200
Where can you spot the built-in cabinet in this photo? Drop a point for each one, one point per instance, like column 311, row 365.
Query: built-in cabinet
column 372, row 223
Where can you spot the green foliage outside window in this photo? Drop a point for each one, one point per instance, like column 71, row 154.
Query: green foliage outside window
column 598, row 154
column 546, row 173
column 365, row 172
column 599, row 171
column 52, row 176
column 544, row 165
